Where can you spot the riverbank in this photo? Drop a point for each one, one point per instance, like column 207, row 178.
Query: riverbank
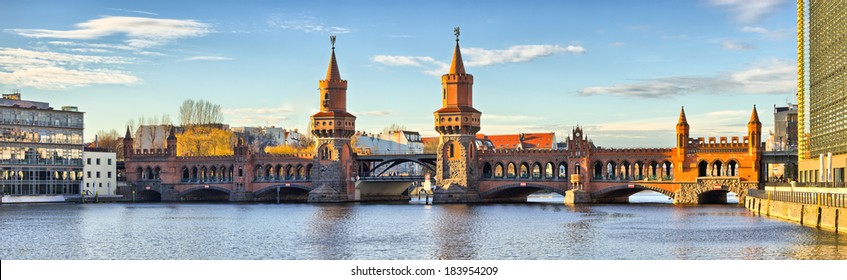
column 821, row 208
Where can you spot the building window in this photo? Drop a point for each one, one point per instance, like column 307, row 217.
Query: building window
column 98, row 161
column 88, row 161
column 109, row 161
column 109, row 174
column 98, row 174
column 101, row 185
column 89, row 174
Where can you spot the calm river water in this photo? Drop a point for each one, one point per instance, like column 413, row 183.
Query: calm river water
column 544, row 229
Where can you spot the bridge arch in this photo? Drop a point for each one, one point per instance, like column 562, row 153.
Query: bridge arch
column 598, row 171
column 486, row 170
column 702, row 168
column 732, row 168
column 511, row 170
column 148, row 196
column 498, row 170
column 518, row 190
column 290, row 193
column 206, row 194
column 622, row 193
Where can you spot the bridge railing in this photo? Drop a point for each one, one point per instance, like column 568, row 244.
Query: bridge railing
column 822, row 199
column 391, row 178
column 828, row 185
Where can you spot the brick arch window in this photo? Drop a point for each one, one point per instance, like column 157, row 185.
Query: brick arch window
column 511, row 171
column 536, row 170
column 486, row 170
column 498, row 170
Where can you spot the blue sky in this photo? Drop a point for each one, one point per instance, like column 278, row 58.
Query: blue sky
column 621, row 69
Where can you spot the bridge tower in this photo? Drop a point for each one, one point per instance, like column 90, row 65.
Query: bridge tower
column 128, row 145
column 682, row 134
column 754, row 141
column 333, row 126
column 457, row 123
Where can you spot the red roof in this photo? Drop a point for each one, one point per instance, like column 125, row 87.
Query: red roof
column 522, row 140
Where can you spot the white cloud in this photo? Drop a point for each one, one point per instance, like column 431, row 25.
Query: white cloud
column 140, row 32
column 776, row 34
column 305, row 24
column 55, row 71
column 773, row 77
column 749, row 10
column 735, row 46
column 135, row 11
column 515, row 54
column 754, row 29
column 207, row 58
column 616, row 44
column 479, row 57
column 398, row 60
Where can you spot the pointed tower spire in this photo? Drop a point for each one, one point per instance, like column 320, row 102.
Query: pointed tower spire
column 457, row 67
column 332, row 72
column 754, row 118
column 682, row 119
column 127, row 135
column 171, row 134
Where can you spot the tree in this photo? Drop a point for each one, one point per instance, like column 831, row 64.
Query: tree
column 205, row 141
column 199, row 113
column 395, row 127
column 431, row 147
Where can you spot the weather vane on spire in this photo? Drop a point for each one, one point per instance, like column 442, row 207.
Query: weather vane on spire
column 332, row 41
column 456, row 32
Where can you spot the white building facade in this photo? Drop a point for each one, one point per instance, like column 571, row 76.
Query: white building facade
column 99, row 173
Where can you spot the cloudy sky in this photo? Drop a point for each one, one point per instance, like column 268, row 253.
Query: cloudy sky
column 621, row 69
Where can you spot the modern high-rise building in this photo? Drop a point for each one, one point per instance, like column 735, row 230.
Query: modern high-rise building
column 40, row 150
column 822, row 87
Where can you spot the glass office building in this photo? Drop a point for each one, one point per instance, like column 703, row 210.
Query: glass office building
column 40, row 148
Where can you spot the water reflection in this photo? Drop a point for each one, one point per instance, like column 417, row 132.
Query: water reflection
column 539, row 230
column 455, row 227
column 329, row 233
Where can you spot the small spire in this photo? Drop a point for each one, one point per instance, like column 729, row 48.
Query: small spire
column 754, row 118
column 682, row 119
column 171, row 134
column 457, row 67
column 127, row 135
column 332, row 73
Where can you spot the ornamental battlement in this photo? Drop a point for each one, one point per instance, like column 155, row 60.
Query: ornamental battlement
column 719, row 142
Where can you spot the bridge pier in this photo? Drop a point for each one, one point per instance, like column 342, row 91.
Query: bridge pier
column 454, row 194
column 577, row 197
column 325, row 193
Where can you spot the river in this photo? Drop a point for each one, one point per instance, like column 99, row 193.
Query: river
column 541, row 229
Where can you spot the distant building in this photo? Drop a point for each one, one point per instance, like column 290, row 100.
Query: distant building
column 40, row 150
column 99, row 172
column 392, row 142
column 151, row 137
column 784, row 128
column 259, row 137
column 389, row 142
